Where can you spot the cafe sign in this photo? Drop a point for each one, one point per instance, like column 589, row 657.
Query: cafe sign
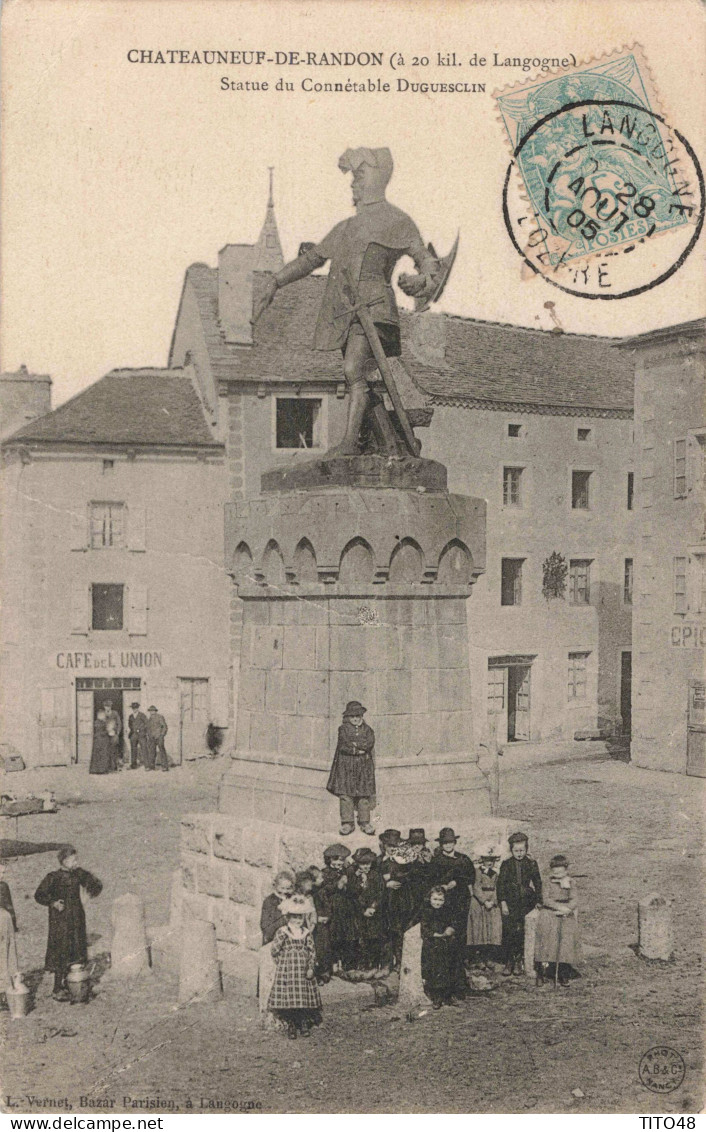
column 107, row 660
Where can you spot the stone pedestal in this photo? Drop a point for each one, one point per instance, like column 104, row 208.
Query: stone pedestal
column 355, row 595
column 129, row 952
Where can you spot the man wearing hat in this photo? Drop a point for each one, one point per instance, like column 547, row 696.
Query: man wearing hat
column 454, row 872
column 137, row 734
column 419, row 870
column 352, row 775
column 156, row 730
column 395, row 874
column 367, row 894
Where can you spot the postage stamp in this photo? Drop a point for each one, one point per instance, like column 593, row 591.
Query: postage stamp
column 597, row 171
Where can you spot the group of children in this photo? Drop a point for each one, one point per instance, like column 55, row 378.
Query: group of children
column 349, row 918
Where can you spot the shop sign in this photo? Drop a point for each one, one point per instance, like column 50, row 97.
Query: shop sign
column 688, row 635
column 114, row 660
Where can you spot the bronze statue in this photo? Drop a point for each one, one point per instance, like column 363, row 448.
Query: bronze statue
column 359, row 313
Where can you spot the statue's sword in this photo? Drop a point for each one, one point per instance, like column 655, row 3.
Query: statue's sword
column 364, row 317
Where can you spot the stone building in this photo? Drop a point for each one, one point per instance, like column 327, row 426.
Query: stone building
column 539, row 423
column 669, row 720
column 23, row 397
column 112, row 568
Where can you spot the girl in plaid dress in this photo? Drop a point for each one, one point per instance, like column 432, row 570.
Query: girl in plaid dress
column 295, row 996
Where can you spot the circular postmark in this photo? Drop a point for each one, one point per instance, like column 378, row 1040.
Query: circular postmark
column 604, row 200
column 662, row 1069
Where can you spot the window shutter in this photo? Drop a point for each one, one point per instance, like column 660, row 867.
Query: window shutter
column 679, row 468
column 680, row 600
column 79, row 607
column 136, row 527
column 137, row 622
column 219, row 701
column 79, row 530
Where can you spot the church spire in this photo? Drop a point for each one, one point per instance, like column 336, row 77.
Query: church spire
column 268, row 249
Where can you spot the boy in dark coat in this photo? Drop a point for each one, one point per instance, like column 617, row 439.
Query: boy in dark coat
column 367, row 893
column 519, row 890
column 437, row 949
column 60, row 892
column 398, row 897
column 454, row 872
column 342, row 925
column 352, row 775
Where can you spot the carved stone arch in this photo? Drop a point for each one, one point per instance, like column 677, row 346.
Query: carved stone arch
column 273, row 565
column 455, row 564
column 407, row 562
column 357, row 565
column 305, row 570
column 242, row 564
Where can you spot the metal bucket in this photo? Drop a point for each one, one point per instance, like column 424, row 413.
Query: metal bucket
column 19, row 1001
column 78, row 983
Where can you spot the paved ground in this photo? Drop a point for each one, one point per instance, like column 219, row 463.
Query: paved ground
column 626, row 831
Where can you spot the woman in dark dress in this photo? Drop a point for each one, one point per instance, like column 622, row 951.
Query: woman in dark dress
column 60, row 892
column 102, row 753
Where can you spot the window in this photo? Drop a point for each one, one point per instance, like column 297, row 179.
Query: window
column 107, row 525
column 579, row 581
column 697, row 583
column 514, row 430
column 298, row 422
column 631, row 489
column 578, row 662
column 583, row 434
column 107, row 606
column 680, row 604
column 627, row 582
column 496, row 689
column 511, row 581
column 580, row 490
column 679, row 469
column 511, row 487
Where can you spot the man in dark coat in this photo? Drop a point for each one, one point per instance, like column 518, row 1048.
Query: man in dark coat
column 60, row 892
column 454, row 872
column 419, row 881
column 367, row 893
column 519, row 890
column 137, row 734
column 396, row 876
column 352, row 775
column 114, row 726
column 156, row 731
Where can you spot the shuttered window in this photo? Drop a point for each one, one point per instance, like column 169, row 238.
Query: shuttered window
column 679, row 469
column 680, row 600
column 578, row 663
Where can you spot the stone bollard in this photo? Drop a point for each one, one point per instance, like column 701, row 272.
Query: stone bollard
column 530, row 933
column 199, row 969
column 129, row 951
column 654, row 918
column 412, row 993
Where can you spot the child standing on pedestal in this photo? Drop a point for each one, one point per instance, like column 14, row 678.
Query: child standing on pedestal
column 519, row 890
column 352, row 775
column 485, row 924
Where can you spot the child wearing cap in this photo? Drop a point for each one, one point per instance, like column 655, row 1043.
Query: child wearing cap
column 367, row 893
column 342, row 925
column 519, row 890
column 352, row 776
column 485, row 922
column 438, row 931
column 455, row 873
column 294, row 996
column 556, row 944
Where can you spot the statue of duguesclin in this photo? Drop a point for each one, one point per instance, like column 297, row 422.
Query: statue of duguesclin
column 358, row 313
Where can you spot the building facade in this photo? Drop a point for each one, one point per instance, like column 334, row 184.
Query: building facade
column 112, row 567
column 669, row 716
column 113, row 510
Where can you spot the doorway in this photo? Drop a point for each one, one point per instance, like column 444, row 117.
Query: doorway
column 194, row 710
column 696, row 729
column 626, row 692
column 91, row 694
column 509, row 697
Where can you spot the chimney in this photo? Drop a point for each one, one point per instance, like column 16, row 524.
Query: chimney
column 235, row 276
column 24, row 396
column 427, row 338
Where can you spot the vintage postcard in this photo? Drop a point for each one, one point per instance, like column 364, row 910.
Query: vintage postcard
column 353, row 561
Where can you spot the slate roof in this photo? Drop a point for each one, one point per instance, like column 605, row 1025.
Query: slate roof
column 140, row 407
column 486, row 364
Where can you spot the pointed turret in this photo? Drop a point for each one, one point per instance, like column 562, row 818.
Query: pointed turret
column 268, row 249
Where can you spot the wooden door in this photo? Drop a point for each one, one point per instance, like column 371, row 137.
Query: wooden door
column 626, row 692
column 193, row 717
column 84, row 726
column 696, row 730
column 522, row 702
column 497, row 701
column 54, row 727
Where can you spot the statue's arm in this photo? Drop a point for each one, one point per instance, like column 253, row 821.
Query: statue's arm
column 428, row 269
column 300, row 267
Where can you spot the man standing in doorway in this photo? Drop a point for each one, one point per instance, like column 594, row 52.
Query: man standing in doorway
column 113, row 725
column 156, row 730
column 137, row 734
